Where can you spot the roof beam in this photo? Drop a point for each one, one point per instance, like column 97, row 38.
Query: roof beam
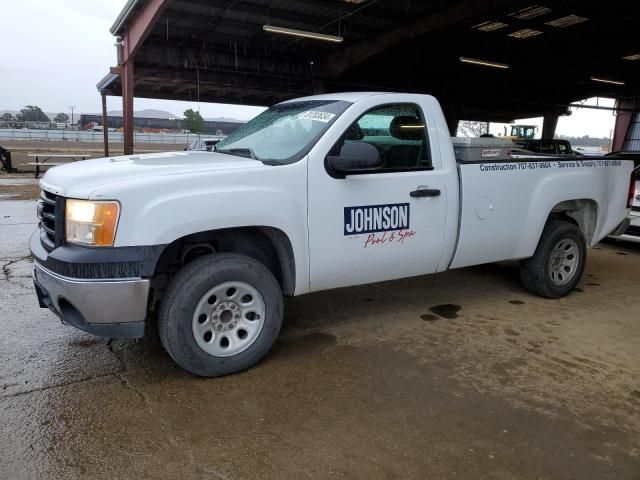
column 167, row 55
column 265, row 15
column 139, row 27
column 180, row 24
column 228, row 78
column 460, row 11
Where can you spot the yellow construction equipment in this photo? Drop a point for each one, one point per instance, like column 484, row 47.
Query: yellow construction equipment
column 519, row 132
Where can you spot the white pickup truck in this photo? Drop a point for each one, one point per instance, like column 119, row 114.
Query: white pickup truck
column 312, row 194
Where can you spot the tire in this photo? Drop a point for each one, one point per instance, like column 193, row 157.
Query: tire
column 203, row 288
column 558, row 262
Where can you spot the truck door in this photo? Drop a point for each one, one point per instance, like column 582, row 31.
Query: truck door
column 383, row 224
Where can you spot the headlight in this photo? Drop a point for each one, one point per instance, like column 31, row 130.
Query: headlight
column 91, row 223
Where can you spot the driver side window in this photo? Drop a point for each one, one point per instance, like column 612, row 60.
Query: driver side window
column 398, row 131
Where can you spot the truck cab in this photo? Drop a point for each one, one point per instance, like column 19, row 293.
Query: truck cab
column 523, row 131
column 546, row 146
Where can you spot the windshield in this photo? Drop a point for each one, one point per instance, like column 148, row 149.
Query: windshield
column 284, row 133
column 523, row 131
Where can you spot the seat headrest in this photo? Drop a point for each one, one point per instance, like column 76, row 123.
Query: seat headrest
column 354, row 132
column 407, row 128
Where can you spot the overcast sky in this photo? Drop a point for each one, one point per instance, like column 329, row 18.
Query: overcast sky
column 582, row 121
column 59, row 49
column 54, row 52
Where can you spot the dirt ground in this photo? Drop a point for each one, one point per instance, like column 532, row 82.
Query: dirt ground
column 461, row 374
column 20, row 149
column 19, row 186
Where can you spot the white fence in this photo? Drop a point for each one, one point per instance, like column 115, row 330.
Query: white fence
column 89, row 136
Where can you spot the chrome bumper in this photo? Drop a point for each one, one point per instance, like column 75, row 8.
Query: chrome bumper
column 106, row 307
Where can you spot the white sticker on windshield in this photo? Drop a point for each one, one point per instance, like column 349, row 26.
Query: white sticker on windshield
column 317, row 116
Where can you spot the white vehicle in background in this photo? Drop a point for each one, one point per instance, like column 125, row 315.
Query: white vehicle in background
column 313, row 194
column 632, row 233
column 204, row 144
column 546, row 146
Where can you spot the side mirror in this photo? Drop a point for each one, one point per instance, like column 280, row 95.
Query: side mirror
column 355, row 157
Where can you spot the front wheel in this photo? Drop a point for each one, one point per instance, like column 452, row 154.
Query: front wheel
column 558, row 262
column 221, row 314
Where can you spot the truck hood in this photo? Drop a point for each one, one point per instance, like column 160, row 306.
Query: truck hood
column 84, row 178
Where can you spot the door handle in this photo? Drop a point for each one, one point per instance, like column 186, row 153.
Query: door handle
column 425, row 192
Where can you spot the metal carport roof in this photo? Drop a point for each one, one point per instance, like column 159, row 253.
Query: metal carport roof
column 554, row 52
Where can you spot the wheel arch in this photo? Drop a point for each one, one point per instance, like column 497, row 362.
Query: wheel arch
column 582, row 212
column 268, row 245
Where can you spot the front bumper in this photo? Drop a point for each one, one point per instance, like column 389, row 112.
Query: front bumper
column 104, row 307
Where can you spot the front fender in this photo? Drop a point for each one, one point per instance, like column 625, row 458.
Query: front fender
column 160, row 211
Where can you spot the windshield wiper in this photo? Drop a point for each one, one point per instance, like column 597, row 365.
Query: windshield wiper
column 241, row 151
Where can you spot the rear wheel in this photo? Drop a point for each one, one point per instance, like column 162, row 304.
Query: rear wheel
column 221, row 314
column 558, row 262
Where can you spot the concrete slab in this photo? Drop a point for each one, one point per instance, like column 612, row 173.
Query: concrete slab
column 461, row 374
column 13, row 239
column 18, row 212
column 16, row 181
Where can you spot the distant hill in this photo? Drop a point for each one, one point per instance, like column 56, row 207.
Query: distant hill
column 585, row 141
column 147, row 113
column 151, row 113
column 225, row 119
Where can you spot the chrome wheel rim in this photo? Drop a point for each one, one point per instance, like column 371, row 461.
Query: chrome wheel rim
column 228, row 319
column 563, row 262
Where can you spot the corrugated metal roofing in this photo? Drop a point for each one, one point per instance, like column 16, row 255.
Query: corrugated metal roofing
column 632, row 140
column 217, row 49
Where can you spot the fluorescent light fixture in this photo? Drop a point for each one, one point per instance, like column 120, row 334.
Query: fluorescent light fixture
column 490, row 26
column 411, row 126
column 530, row 12
column 525, row 33
column 302, row 33
column 606, row 80
column 567, row 21
column 485, row 63
column 635, row 56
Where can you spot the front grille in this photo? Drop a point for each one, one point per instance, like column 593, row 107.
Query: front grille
column 51, row 218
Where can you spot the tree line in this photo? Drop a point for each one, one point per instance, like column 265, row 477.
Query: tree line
column 33, row 113
column 586, row 140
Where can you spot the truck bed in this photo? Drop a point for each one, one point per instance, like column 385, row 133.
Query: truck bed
column 505, row 203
